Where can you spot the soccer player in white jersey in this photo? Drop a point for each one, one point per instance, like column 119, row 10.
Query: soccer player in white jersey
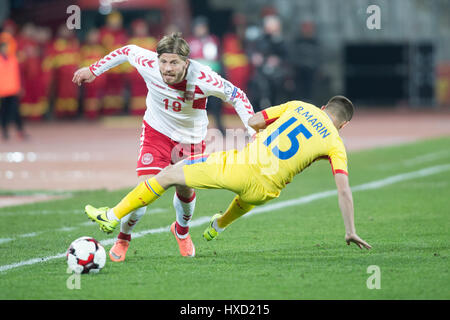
column 175, row 122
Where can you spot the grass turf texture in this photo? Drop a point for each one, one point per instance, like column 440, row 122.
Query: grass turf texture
column 293, row 253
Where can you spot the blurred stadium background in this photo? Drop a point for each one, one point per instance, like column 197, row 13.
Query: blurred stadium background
column 86, row 138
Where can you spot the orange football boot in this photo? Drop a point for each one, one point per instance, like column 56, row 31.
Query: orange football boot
column 119, row 250
column 185, row 245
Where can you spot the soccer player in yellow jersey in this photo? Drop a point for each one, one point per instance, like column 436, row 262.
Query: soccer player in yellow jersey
column 290, row 137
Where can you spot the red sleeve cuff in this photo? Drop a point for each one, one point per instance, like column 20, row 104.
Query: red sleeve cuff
column 266, row 118
column 92, row 70
column 341, row 171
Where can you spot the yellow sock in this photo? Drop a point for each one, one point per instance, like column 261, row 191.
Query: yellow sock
column 236, row 209
column 145, row 193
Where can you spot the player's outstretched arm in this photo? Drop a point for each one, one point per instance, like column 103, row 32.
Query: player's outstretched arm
column 346, row 206
column 111, row 60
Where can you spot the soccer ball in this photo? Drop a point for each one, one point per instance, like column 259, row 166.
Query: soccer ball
column 86, row 255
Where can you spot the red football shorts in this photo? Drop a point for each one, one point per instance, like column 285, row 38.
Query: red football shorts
column 157, row 151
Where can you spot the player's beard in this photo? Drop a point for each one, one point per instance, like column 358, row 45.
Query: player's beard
column 175, row 78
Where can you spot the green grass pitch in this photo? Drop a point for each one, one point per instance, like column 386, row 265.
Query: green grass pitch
column 293, row 252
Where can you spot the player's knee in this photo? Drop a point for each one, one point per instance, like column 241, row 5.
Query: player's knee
column 185, row 192
column 170, row 176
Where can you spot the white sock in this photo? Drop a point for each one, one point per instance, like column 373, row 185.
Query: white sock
column 128, row 222
column 111, row 215
column 215, row 226
column 184, row 211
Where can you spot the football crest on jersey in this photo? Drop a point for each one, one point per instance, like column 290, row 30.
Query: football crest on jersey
column 229, row 90
column 147, row 159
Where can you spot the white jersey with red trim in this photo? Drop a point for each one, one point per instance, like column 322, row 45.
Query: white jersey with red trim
column 178, row 111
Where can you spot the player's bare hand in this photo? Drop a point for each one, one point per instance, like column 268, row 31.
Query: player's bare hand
column 83, row 75
column 349, row 238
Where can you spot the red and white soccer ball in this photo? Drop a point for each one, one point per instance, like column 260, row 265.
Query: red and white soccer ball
column 86, row 255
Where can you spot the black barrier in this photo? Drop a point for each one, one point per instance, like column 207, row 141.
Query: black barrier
column 390, row 73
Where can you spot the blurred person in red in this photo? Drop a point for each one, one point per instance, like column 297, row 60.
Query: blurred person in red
column 44, row 40
column 113, row 36
column 10, row 86
column 31, row 106
column 65, row 61
column 205, row 48
column 236, row 64
column 171, row 28
column 138, row 88
column 92, row 51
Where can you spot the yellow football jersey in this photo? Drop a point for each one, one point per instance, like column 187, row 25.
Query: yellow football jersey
column 298, row 134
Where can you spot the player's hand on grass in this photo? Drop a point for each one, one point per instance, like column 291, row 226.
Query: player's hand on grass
column 83, row 75
column 357, row 240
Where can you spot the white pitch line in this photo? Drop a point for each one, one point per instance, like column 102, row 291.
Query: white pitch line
column 3, row 240
column 427, row 157
column 417, row 160
column 29, row 235
column 365, row 186
column 76, row 211
column 30, row 262
column 67, row 229
column 41, row 212
column 270, row 207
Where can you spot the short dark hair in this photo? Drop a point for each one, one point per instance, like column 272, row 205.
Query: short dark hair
column 341, row 107
column 173, row 43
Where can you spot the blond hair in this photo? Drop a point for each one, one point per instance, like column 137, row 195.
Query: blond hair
column 173, row 43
